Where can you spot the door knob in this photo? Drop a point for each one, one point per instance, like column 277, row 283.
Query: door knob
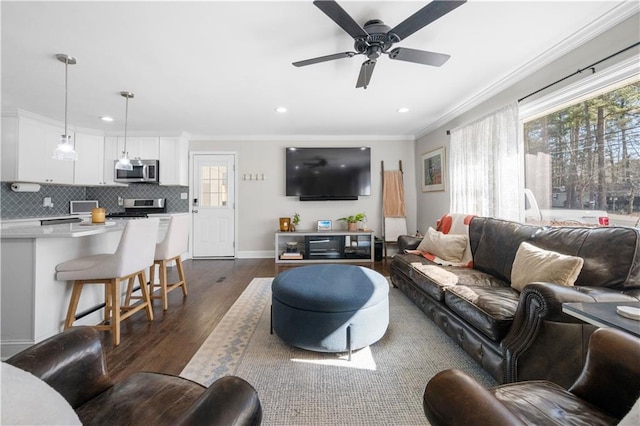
column 195, row 211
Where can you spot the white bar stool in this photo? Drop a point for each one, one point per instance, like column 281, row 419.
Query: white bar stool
column 175, row 242
column 130, row 260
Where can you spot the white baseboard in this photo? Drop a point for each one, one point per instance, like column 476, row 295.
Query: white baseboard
column 264, row 254
column 12, row 347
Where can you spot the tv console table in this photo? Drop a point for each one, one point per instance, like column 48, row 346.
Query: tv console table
column 324, row 246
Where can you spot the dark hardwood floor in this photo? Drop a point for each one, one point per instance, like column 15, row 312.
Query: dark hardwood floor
column 168, row 342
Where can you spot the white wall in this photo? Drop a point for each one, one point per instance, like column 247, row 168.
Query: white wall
column 432, row 205
column 261, row 203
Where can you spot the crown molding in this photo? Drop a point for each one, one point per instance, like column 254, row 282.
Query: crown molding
column 599, row 26
column 233, row 138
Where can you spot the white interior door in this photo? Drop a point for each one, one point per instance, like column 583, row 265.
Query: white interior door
column 213, row 205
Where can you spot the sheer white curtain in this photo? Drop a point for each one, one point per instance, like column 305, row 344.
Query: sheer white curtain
column 484, row 163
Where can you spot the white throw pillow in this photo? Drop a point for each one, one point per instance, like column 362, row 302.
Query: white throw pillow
column 449, row 247
column 27, row 400
column 535, row 264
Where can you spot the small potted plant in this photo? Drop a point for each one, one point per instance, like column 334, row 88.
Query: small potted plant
column 352, row 221
column 294, row 222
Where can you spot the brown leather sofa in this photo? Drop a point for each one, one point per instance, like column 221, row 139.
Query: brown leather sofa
column 73, row 363
column 522, row 336
column 603, row 394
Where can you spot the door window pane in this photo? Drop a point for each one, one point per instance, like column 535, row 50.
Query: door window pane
column 213, row 186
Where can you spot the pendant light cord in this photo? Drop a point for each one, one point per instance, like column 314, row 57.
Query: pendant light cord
column 65, row 149
column 126, row 117
column 66, row 85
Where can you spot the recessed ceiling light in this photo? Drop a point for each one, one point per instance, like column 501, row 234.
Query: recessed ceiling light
column 281, row 109
column 403, row 109
column 105, row 118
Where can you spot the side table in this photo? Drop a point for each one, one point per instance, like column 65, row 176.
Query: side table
column 603, row 314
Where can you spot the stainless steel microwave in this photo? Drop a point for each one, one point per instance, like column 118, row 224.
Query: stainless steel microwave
column 144, row 171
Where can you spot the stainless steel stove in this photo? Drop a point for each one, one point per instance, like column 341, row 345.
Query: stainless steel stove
column 127, row 215
column 139, row 208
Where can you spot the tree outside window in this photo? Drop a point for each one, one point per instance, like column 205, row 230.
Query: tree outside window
column 587, row 155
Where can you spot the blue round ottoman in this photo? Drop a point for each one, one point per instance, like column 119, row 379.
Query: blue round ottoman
column 330, row 308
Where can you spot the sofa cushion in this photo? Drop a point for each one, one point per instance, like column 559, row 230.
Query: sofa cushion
column 488, row 309
column 611, row 254
column 425, row 276
column 553, row 405
column 535, row 264
column 449, row 247
column 142, row 398
column 494, row 244
column 438, row 275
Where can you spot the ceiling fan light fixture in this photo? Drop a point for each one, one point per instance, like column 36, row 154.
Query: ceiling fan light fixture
column 376, row 38
column 124, row 163
column 65, row 151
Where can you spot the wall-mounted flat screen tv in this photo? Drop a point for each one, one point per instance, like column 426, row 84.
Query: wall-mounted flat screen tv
column 328, row 173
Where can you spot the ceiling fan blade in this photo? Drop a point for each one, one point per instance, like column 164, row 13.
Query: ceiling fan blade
column 366, row 70
column 419, row 56
column 324, row 59
column 434, row 10
column 342, row 18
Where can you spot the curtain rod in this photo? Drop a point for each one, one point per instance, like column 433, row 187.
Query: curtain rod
column 588, row 67
column 591, row 67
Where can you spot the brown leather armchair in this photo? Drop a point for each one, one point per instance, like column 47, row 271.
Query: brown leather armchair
column 73, row 363
column 603, row 394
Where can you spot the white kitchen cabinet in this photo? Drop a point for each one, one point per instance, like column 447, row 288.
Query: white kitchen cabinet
column 27, row 146
column 89, row 169
column 174, row 161
column 144, row 148
column 111, row 154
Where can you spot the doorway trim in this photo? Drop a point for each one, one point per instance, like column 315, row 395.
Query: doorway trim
column 235, row 198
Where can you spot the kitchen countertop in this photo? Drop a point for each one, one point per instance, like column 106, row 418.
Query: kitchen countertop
column 28, row 220
column 32, row 228
column 64, row 230
column 18, row 220
column 71, row 216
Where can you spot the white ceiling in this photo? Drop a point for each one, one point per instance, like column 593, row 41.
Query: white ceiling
column 219, row 68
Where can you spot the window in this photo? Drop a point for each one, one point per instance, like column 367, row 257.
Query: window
column 213, row 184
column 585, row 155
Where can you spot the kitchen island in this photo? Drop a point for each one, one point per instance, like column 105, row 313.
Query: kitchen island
column 34, row 303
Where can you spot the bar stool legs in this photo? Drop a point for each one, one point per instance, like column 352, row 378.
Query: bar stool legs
column 114, row 313
column 164, row 286
column 73, row 304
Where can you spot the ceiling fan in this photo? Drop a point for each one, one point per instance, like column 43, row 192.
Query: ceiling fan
column 376, row 38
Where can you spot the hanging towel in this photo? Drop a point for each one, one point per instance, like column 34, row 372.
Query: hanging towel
column 393, row 194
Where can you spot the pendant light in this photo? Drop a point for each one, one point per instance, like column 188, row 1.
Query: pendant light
column 64, row 150
column 124, row 163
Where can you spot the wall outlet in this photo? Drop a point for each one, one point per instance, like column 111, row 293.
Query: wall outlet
column 46, row 202
column 183, row 195
column 120, row 201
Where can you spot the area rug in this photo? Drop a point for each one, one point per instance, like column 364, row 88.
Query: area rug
column 382, row 384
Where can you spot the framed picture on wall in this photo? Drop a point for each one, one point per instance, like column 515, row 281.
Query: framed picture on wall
column 433, row 170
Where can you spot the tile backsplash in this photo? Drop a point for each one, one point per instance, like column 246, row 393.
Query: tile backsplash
column 15, row 205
